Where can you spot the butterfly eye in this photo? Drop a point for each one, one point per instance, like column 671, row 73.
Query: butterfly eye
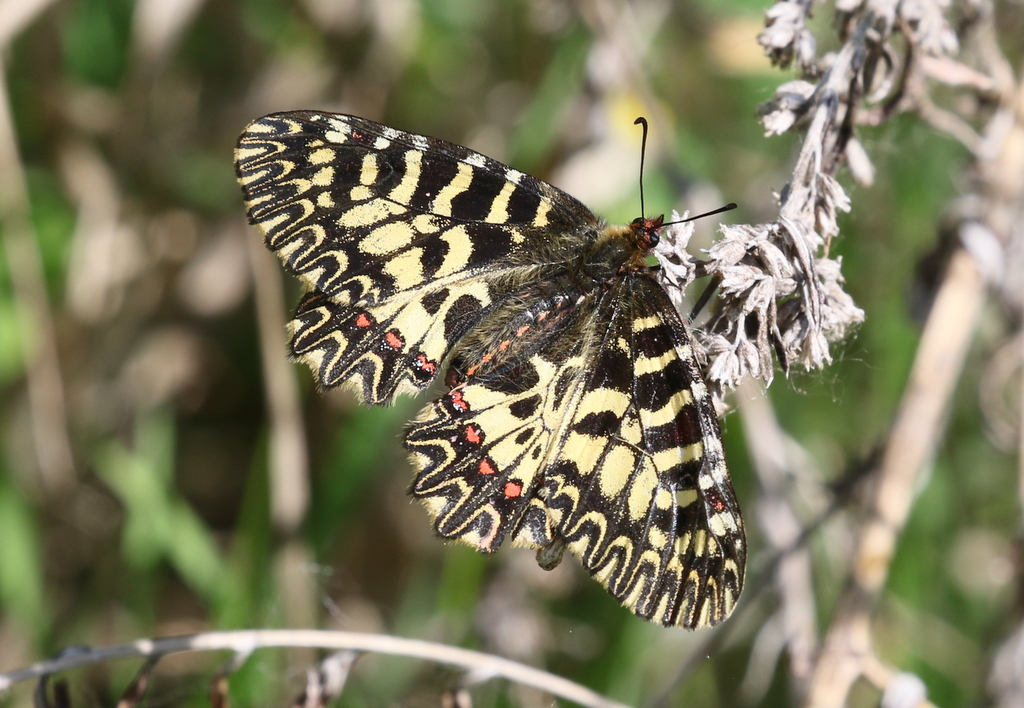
column 648, row 231
column 650, row 236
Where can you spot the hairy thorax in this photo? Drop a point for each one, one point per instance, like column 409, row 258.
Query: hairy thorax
column 563, row 300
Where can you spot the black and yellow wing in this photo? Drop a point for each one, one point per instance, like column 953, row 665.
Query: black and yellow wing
column 406, row 242
column 610, row 447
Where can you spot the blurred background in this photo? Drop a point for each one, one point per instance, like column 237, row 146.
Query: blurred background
column 165, row 470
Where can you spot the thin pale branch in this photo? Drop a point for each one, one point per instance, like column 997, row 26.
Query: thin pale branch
column 912, row 444
column 39, row 345
column 949, row 123
column 45, row 384
column 782, row 527
column 16, row 15
column 247, row 641
column 288, row 459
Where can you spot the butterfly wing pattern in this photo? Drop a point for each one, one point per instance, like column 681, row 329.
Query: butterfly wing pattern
column 574, row 414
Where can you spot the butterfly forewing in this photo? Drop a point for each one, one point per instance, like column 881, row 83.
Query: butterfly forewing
column 574, row 416
column 405, row 235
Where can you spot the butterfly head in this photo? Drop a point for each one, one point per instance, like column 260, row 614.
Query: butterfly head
column 647, row 232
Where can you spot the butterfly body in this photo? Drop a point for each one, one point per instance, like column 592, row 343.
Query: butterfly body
column 575, row 416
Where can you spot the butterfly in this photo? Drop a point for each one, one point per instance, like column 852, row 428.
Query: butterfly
column 573, row 415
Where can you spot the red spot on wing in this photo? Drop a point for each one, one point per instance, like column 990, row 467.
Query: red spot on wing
column 513, row 489
column 714, row 499
column 473, row 434
column 363, row 320
column 458, row 403
column 394, row 340
column 425, row 365
column 487, row 467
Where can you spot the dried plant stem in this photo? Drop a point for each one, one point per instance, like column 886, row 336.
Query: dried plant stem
column 288, row 459
column 1020, row 429
column 289, row 486
column 16, row 15
column 481, row 666
column 39, row 345
column 915, row 435
column 795, row 618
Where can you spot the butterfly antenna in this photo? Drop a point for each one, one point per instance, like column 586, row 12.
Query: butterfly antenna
column 728, row 207
column 641, row 121
column 643, row 151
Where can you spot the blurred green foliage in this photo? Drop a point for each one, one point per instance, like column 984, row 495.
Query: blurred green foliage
column 21, row 570
column 159, row 526
column 168, row 527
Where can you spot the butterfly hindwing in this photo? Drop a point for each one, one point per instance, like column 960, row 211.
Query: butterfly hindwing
column 388, row 349
column 481, row 448
column 610, row 446
column 639, row 487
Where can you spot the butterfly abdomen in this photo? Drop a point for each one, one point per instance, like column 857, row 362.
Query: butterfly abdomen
column 520, row 326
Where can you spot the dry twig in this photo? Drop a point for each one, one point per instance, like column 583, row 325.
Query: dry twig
column 39, row 344
column 847, row 649
column 288, row 458
column 777, row 279
column 16, row 15
column 245, row 642
column 793, row 626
